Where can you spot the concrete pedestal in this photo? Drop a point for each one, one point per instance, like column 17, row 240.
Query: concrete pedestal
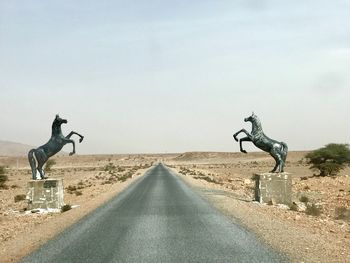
column 275, row 188
column 45, row 194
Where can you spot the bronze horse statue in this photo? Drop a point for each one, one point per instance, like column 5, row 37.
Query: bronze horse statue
column 278, row 150
column 39, row 156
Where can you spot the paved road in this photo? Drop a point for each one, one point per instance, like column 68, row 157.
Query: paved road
column 157, row 219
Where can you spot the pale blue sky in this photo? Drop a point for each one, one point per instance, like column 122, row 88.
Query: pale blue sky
column 173, row 76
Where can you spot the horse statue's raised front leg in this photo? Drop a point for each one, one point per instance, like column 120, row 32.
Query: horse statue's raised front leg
column 68, row 140
column 73, row 143
column 73, row 132
column 245, row 139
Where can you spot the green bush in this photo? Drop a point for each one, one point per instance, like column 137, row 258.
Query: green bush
column 3, row 177
column 329, row 160
column 49, row 165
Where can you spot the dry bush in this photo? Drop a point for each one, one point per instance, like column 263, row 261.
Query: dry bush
column 66, row 208
column 342, row 213
column 19, row 198
column 3, row 178
column 304, row 199
column 313, row 210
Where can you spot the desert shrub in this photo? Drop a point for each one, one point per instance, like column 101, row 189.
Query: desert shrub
column 304, row 199
column 109, row 167
column 19, row 198
column 14, row 186
column 66, row 208
column 3, row 177
column 329, row 160
column 71, row 189
column 49, row 164
column 313, row 210
column 342, row 213
column 294, row 207
column 77, row 193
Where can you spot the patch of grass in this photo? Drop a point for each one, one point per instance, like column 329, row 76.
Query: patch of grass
column 313, row 210
column 66, row 208
column 304, row 199
column 19, row 198
column 342, row 213
column 14, row 186
column 77, row 193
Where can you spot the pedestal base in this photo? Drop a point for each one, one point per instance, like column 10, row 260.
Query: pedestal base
column 45, row 194
column 273, row 188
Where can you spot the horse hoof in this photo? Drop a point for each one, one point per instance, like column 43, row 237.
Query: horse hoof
column 244, row 151
column 81, row 139
column 70, row 154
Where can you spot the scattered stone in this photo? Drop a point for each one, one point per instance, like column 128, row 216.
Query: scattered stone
column 272, row 202
column 297, row 218
column 299, row 206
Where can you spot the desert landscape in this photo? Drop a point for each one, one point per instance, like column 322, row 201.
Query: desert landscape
column 89, row 181
column 315, row 228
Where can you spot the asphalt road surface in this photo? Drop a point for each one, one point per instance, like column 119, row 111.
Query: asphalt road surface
column 157, row 219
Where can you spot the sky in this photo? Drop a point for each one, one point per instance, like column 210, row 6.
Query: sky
column 174, row 76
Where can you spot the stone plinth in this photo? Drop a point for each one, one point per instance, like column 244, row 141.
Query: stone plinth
column 273, row 188
column 45, row 194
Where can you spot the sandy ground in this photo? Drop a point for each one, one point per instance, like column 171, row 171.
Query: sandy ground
column 89, row 181
column 225, row 180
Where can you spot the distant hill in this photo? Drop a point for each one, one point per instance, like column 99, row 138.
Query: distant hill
column 13, row 148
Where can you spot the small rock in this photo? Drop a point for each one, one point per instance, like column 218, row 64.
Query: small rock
column 272, row 202
column 299, row 206
column 247, row 181
column 297, row 218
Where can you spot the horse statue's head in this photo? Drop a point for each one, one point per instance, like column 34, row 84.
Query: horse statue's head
column 58, row 121
column 252, row 118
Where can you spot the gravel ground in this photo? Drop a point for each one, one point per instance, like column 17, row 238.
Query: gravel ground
column 303, row 238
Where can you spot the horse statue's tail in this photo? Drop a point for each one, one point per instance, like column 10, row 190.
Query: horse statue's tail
column 32, row 161
column 284, row 150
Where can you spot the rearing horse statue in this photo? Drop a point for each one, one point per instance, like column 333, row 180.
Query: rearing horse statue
column 278, row 150
column 38, row 157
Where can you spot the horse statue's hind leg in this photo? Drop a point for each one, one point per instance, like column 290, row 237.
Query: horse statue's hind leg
column 32, row 163
column 277, row 159
column 37, row 158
